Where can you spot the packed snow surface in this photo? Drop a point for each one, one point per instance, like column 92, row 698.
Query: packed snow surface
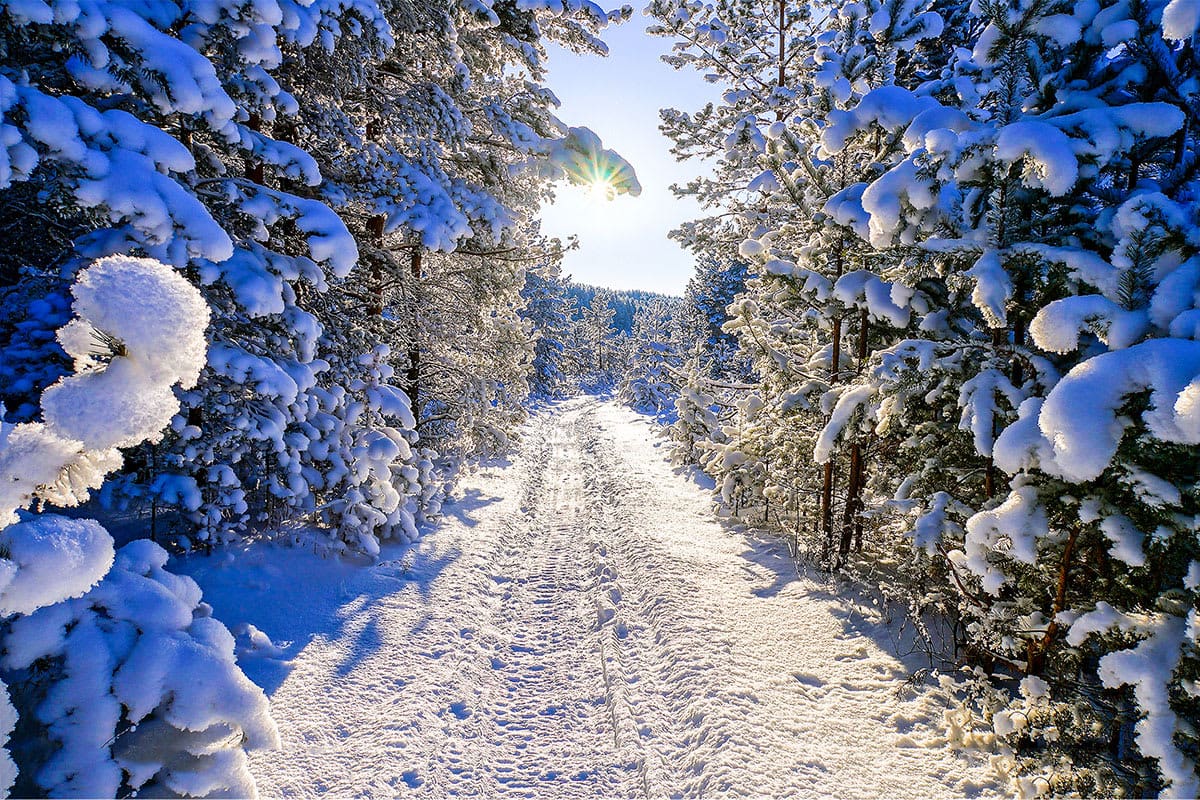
column 579, row 625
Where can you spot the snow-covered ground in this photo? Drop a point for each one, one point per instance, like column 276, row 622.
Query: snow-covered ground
column 579, row 625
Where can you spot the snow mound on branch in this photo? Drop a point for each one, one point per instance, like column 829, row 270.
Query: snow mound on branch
column 889, row 107
column 49, row 558
column 1011, row 529
column 1048, row 152
column 1149, row 668
column 31, row 457
column 1176, row 299
column 141, row 650
column 150, row 322
column 1180, row 19
column 849, row 402
column 581, row 158
column 99, row 410
column 1057, row 326
column 1081, row 424
column 993, row 288
column 884, row 301
column 146, row 305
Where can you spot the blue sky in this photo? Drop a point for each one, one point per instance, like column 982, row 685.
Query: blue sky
column 623, row 242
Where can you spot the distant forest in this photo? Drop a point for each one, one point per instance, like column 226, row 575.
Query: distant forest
column 624, row 303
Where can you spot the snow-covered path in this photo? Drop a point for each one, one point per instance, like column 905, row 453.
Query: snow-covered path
column 581, row 625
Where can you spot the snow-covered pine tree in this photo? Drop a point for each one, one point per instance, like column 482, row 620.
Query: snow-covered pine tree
column 595, row 349
column 549, row 312
column 1009, row 171
column 863, row 52
column 756, row 52
column 1015, row 198
column 102, row 652
column 202, row 131
column 653, row 370
column 709, row 293
column 1107, row 454
column 697, row 424
column 795, row 320
column 458, row 112
column 174, row 118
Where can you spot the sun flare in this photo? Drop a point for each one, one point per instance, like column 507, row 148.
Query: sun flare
column 600, row 191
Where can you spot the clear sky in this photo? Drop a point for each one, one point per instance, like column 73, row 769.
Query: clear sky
column 623, row 242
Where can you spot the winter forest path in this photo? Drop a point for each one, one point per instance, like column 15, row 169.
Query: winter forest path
column 581, row 625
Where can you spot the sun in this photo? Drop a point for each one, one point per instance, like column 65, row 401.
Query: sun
column 600, row 191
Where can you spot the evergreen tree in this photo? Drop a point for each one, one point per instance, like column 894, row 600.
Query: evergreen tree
column 709, row 293
column 653, row 372
column 122, row 680
column 548, row 311
column 962, row 250
column 594, row 350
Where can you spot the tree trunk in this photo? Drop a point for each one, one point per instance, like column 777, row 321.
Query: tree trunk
column 827, row 513
column 1038, row 648
column 782, row 48
column 185, row 133
column 254, row 169
column 827, row 482
column 835, row 362
column 854, row 489
column 375, row 226
column 1017, row 372
column 413, row 385
column 999, row 341
column 853, row 498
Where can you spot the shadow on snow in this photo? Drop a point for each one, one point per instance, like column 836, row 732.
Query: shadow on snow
column 296, row 594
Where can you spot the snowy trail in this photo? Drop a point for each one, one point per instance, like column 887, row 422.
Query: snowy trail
column 581, row 626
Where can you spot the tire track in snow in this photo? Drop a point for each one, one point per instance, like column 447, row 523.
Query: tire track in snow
column 545, row 705
column 771, row 693
column 580, row 625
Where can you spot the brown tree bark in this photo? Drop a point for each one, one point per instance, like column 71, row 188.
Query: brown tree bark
column 854, row 488
column 254, row 169
column 828, row 478
column 412, row 386
column 853, row 498
column 375, row 226
column 1038, row 648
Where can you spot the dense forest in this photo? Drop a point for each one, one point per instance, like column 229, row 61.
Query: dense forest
column 965, row 371
column 273, row 269
column 625, row 303
column 263, row 264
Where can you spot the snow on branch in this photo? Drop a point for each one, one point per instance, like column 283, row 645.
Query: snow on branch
column 580, row 158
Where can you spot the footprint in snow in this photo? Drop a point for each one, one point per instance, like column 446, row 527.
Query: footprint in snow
column 604, row 613
column 856, row 654
column 808, row 679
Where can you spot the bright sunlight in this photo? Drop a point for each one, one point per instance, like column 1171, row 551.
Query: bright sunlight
column 601, row 191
